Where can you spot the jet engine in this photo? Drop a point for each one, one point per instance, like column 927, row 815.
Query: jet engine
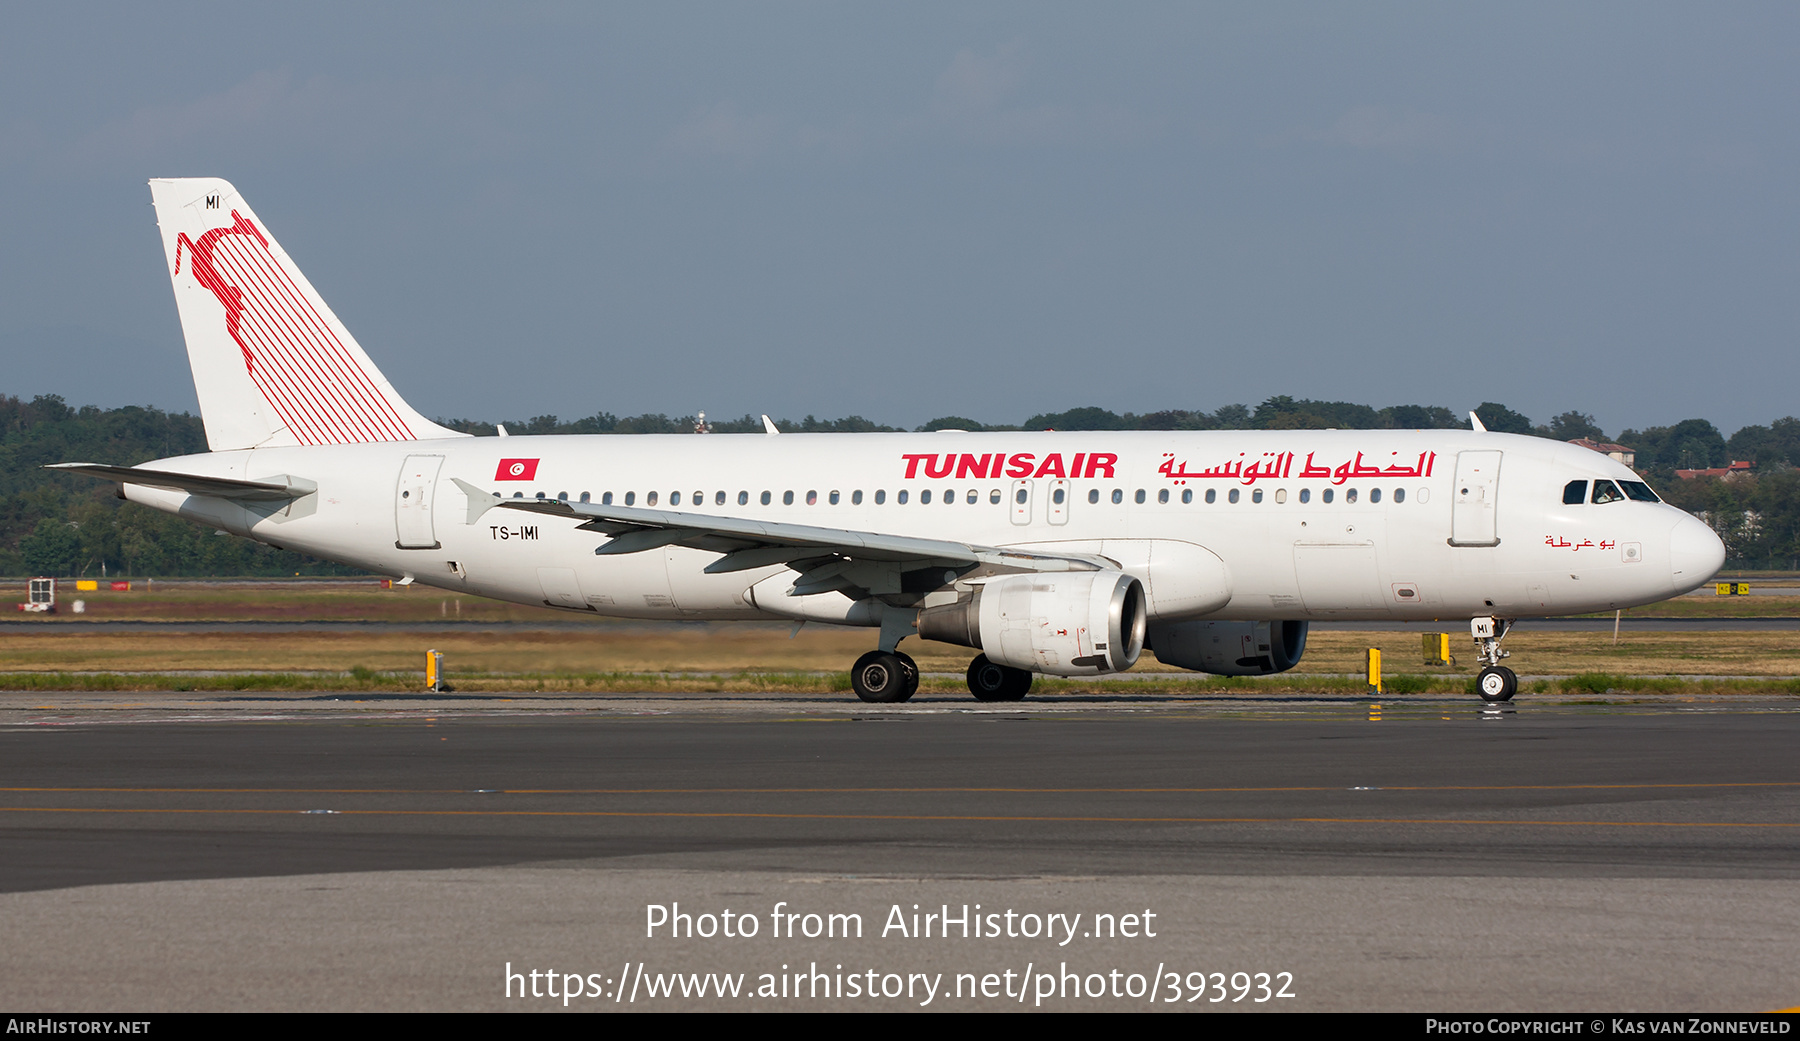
column 1229, row 648
column 1065, row 623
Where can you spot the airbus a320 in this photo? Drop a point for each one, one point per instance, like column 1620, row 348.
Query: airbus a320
column 1053, row 553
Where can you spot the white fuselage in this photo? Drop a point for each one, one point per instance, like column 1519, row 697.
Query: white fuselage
column 1409, row 533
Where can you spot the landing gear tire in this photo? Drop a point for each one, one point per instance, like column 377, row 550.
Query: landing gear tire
column 911, row 671
column 884, row 678
column 992, row 682
column 1497, row 683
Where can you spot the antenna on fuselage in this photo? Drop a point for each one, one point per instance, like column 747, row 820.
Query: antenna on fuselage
column 1475, row 422
column 769, row 426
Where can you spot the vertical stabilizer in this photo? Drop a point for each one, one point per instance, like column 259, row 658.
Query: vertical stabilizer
column 272, row 365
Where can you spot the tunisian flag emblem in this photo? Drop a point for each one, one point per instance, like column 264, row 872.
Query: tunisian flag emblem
column 516, row 470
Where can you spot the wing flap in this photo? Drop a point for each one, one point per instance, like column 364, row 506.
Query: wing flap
column 749, row 543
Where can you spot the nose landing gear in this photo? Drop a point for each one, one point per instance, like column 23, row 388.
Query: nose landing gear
column 1496, row 682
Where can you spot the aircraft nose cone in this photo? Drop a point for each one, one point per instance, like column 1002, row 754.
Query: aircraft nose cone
column 1695, row 554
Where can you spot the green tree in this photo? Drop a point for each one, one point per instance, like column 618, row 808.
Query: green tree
column 51, row 549
column 1573, row 425
column 1502, row 420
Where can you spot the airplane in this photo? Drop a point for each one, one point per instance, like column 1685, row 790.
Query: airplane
column 1052, row 553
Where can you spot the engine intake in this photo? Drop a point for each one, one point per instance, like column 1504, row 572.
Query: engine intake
column 1229, row 648
column 1070, row 623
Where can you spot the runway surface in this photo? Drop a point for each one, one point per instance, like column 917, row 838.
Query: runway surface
column 264, row 851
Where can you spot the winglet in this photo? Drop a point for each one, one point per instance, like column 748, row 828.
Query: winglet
column 769, row 426
column 479, row 501
column 1475, row 422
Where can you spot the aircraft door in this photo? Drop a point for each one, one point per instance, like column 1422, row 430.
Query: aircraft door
column 1021, row 502
column 413, row 527
column 1474, row 500
column 1059, row 501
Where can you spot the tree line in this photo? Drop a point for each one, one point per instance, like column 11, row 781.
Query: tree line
column 60, row 524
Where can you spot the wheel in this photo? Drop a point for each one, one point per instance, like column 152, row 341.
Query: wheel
column 987, row 681
column 881, row 678
column 1019, row 684
column 909, row 671
column 1497, row 683
column 991, row 682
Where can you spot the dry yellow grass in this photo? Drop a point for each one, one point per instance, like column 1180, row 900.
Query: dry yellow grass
column 736, row 648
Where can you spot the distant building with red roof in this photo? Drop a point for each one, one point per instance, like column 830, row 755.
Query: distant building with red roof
column 1738, row 466
column 1608, row 449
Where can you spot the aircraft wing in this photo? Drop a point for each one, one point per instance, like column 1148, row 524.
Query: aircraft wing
column 831, row 558
column 274, row 489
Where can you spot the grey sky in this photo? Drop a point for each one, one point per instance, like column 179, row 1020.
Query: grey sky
column 907, row 211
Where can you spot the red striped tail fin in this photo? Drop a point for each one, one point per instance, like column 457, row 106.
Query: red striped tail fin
column 272, row 364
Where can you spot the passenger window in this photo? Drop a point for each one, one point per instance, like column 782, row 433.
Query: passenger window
column 1374, row 494
column 1093, row 495
column 856, row 497
column 1350, row 495
column 899, row 500
column 1212, row 495
column 1187, row 496
column 1306, row 495
column 1231, row 496
column 949, row 496
column 1057, row 496
column 1281, row 495
column 975, row 496
column 1399, row 494
column 700, row 497
column 994, row 497
column 787, row 498
column 606, row 498
column 765, row 498
column 925, row 497
column 650, row 499
column 630, row 497
column 1162, row 495
column 1019, row 496
column 1118, row 496
column 1574, row 493
column 1256, row 496
column 584, row 497
column 743, row 498
column 812, row 497
column 834, row 497
column 674, row 498
column 1326, row 495
column 880, row 496
column 1606, row 491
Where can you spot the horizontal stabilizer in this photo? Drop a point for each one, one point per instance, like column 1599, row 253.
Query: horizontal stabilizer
column 273, row 489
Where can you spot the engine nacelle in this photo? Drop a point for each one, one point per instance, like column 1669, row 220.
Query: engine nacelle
column 1229, row 648
column 1064, row 623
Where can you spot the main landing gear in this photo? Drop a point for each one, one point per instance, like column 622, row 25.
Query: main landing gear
column 1496, row 682
column 991, row 682
column 884, row 677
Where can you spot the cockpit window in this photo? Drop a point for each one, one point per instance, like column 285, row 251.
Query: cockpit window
column 1606, row 491
column 1574, row 493
column 1639, row 491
